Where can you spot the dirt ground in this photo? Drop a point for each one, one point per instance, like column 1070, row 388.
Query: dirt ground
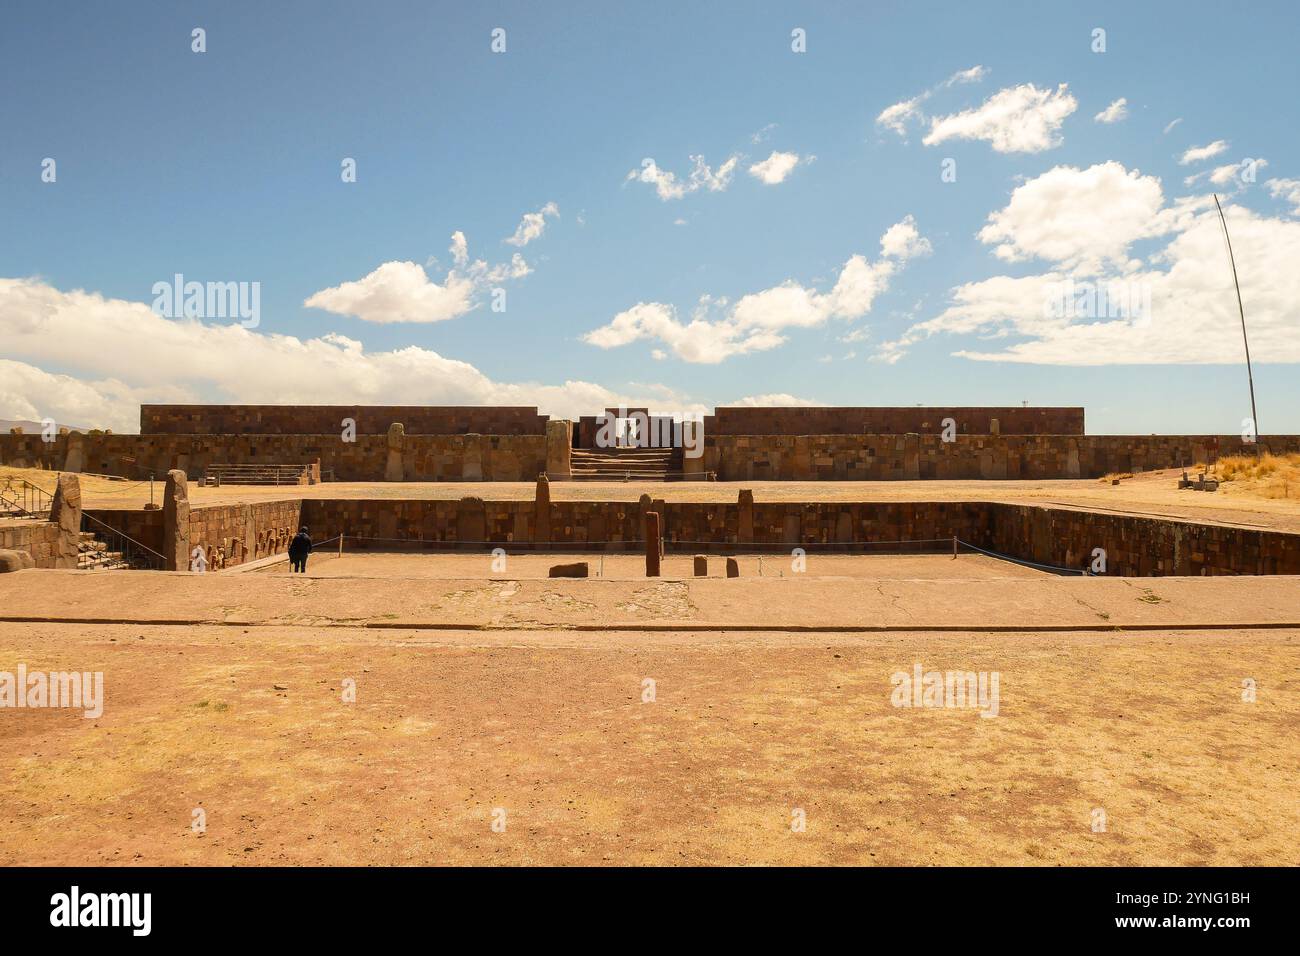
column 547, row 732
column 888, row 567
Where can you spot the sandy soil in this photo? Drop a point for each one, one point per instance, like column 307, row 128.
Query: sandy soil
column 550, row 727
column 891, row 567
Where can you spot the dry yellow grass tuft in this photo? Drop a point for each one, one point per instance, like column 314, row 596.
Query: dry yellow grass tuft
column 1268, row 476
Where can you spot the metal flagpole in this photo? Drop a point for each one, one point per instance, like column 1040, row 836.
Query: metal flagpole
column 1254, row 419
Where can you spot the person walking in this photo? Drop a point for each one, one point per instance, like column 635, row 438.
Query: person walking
column 299, row 548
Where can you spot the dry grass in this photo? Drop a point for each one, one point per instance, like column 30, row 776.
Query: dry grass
column 1268, row 476
column 1114, row 476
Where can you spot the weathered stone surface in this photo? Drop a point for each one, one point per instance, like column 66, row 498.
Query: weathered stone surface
column 542, row 511
column 471, row 521
column 394, row 469
column 745, row 503
column 653, row 544
column 577, row 569
column 701, row 565
column 11, row 560
column 76, row 457
column 176, row 521
column 65, row 512
column 559, row 449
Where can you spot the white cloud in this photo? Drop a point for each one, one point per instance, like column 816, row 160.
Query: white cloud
column 774, row 400
column 758, row 321
column 1077, row 218
column 1288, row 190
column 777, row 167
column 403, row 292
column 763, row 133
column 903, row 240
column 1231, row 173
column 532, row 225
column 116, row 354
column 1181, row 305
column 1172, row 124
column 899, row 115
column 1113, row 113
column 1198, row 153
column 668, row 186
column 1019, row 119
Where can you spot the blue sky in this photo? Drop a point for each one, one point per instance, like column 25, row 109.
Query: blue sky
column 225, row 166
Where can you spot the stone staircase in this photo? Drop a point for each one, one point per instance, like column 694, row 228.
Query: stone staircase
column 93, row 554
column 627, row 464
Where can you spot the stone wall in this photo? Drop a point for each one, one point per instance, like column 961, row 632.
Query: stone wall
column 328, row 419
column 229, row 534
column 895, row 457
column 40, row 539
column 424, row 457
column 744, row 420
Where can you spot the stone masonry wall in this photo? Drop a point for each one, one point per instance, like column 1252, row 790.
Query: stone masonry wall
column 40, row 539
column 328, row 419
column 744, row 420
column 897, row 457
column 424, row 457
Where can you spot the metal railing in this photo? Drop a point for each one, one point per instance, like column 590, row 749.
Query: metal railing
column 20, row 498
column 139, row 557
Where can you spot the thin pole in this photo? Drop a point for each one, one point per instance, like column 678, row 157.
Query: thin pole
column 1250, row 376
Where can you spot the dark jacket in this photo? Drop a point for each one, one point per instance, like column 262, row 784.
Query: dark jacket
column 300, row 546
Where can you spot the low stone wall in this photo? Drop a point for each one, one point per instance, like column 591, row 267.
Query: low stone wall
column 1060, row 537
column 423, row 457
column 40, row 539
column 903, row 457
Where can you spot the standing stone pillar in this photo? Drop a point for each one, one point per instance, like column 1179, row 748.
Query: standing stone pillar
column 745, row 506
column 396, row 445
column 471, row 468
column 559, row 449
column 912, row 455
column 76, row 459
column 176, row 521
column 65, row 511
column 1072, row 459
column 542, row 511
column 653, row 544
column 471, row 523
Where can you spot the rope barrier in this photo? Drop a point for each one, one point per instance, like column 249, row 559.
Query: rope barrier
column 1055, row 569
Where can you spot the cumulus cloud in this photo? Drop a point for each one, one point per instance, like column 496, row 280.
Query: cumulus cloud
column 532, row 225
column 1242, row 173
column 403, row 292
column 1078, row 218
column 1198, row 153
column 1113, row 113
column 114, row 354
column 777, row 167
column 1288, row 190
column 702, row 176
column 898, row 116
column 759, row 321
column 1173, row 306
column 774, row 400
column 1019, row 119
